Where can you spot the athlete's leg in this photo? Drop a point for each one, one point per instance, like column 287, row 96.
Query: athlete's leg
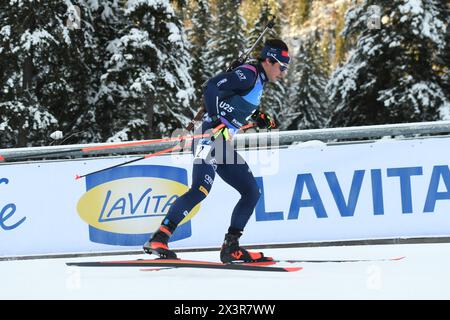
column 240, row 177
column 202, row 180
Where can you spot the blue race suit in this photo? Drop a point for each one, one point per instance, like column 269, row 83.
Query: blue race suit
column 232, row 97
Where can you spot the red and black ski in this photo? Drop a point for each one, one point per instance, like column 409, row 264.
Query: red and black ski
column 179, row 263
column 338, row 260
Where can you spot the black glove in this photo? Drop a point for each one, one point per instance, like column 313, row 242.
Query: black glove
column 263, row 120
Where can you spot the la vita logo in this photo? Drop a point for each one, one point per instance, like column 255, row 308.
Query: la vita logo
column 123, row 206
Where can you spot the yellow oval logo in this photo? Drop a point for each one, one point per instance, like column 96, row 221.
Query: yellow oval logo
column 131, row 205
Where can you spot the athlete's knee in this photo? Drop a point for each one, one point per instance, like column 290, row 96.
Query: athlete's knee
column 256, row 193
column 253, row 193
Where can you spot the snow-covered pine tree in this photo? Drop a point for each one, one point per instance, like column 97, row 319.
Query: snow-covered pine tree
column 45, row 63
column 307, row 18
column 444, row 63
column 147, row 73
column 227, row 39
column 198, row 35
column 108, row 21
column 391, row 76
column 70, row 85
column 20, row 111
column 308, row 104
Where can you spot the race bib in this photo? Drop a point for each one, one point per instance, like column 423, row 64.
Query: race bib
column 202, row 151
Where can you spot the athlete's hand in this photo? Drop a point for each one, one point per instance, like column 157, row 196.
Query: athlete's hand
column 222, row 132
column 264, row 121
column 224, row 129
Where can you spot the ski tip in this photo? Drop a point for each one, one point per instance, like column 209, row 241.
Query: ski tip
column 399, row 258
column 77, row 177
column 293, row 269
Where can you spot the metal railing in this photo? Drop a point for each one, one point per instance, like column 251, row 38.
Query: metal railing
column 282, row 138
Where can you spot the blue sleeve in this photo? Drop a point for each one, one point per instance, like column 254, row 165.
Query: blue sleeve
column 233, row 82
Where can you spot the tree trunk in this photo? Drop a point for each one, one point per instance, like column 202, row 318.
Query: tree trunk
column 28, row 73
column 150, row 113
column 21, row 138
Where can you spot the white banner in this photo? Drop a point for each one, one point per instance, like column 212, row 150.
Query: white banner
column 310, row 192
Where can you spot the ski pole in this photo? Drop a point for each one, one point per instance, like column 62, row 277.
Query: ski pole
column 118, row 145
column 150, row 155
column 171, row 149
column 103, row 147
column 146, row 142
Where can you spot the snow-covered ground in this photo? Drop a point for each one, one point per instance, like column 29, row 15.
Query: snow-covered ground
column 422, row 274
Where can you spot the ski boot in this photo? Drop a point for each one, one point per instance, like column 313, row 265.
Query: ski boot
column 158, row 244
column 232, row 252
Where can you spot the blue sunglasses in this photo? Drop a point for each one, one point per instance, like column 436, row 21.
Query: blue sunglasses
column 283, row 66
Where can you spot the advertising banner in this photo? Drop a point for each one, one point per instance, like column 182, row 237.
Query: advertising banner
column 309, row 192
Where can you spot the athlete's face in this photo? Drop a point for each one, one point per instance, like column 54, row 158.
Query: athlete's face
column 273, row 70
